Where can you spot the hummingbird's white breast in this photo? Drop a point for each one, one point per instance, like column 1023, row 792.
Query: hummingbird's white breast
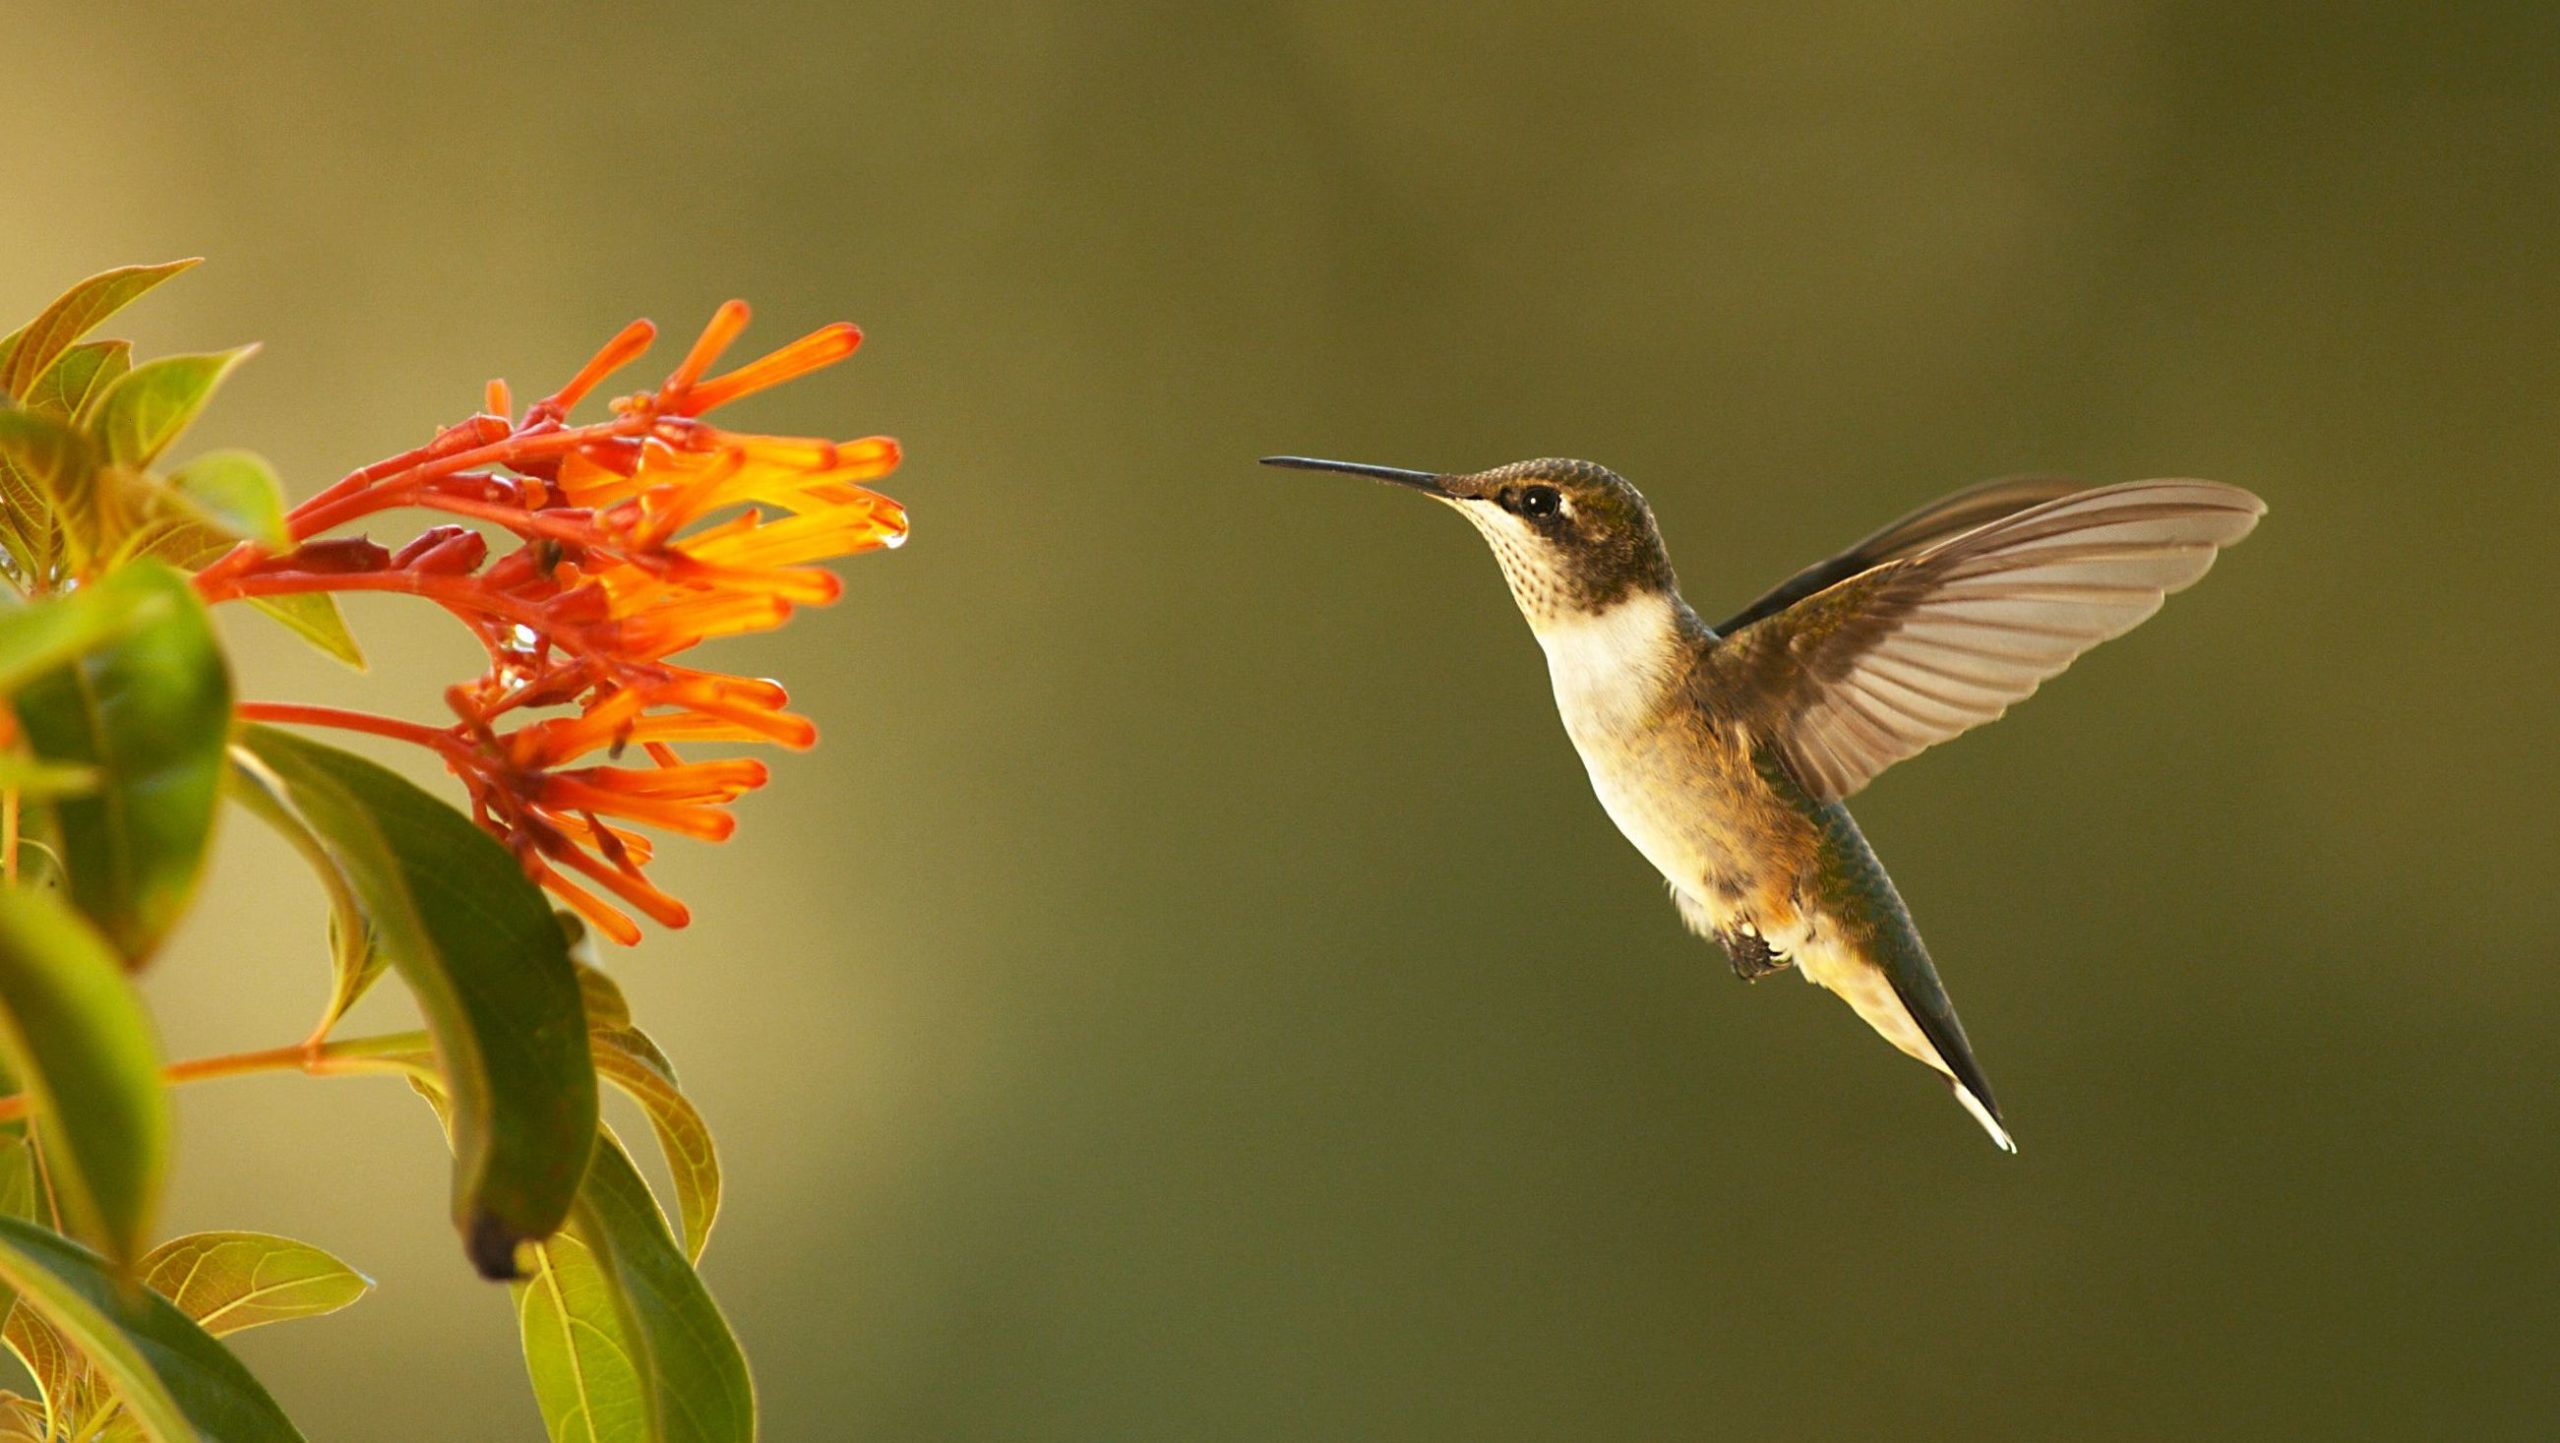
column 1614, row 673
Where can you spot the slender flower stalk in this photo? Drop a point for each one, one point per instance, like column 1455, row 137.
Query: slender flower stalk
column 628, row 541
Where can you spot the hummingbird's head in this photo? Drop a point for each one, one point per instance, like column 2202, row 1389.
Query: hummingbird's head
column 1574, row 538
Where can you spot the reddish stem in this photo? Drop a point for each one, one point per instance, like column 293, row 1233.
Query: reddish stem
column 297, row 714
column 458, row 593
column 386, row 483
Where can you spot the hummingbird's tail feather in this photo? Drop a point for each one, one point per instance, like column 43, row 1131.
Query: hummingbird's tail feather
column 1983, row 1115
column 1883, row 997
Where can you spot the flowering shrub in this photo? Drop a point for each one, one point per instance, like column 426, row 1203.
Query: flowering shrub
column 585, row 558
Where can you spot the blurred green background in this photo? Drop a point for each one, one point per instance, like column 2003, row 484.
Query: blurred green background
column 1192, row 993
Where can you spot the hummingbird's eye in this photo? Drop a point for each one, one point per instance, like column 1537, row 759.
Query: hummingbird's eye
column 1540, row 502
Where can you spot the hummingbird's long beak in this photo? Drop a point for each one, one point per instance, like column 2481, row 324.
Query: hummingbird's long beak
column 1422, row 481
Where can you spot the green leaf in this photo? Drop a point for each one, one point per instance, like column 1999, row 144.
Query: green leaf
column 476, row 942
column 355, row 960
column 315, row 616
column 77, row 1039
column 39, row 636
column 627, row 1058
column 33, row 349
column 83, row 373
column 621, row 1340
column 230, row 1281
column 235, row 492
column 151, row 711
column 177, row 1383
column 149, row 405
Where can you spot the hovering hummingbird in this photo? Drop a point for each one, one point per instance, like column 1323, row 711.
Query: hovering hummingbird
column 1724, row 753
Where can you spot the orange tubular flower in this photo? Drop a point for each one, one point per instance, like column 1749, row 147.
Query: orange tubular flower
column 636, row 539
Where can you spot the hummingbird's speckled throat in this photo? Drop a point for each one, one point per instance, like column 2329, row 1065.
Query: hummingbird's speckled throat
column 1725, row 753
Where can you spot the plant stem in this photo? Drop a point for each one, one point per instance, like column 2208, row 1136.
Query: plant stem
column 360, row 1056
column 296, row 714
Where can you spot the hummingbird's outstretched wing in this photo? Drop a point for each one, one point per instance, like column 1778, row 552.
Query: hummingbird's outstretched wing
column 1905, row 655
column 1945, row 517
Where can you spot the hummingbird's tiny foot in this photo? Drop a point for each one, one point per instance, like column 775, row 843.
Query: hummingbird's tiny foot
column 1750, row 953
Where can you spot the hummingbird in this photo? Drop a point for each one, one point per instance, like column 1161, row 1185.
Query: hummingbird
column 1725, row 753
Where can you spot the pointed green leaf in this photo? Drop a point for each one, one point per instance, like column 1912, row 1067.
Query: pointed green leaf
column 237, row 493
column 627, row 1058
column 603, row 996
column 80, row 375
column 230, row 1281
column 314, row 615
column 355, row 959
column 33, row 349
column 151, row 712
column 149, row 405
column 177, row 1383
column 76, row 1037
column 476, row 942
column 621, row 1340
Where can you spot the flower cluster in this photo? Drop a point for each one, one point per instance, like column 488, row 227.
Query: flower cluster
column 634, row 539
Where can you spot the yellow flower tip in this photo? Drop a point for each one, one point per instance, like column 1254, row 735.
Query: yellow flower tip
column 891, row 520
column 626, row 347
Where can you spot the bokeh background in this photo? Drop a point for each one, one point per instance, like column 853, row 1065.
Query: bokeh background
column 1191, row 992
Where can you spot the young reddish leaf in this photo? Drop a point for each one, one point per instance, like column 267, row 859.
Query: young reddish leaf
column 48, row 478
column 151, row 712
column 146, row 407
column 79, row 1043
column 81, row 374
column 621, row 1339
column 477, row 944
column 176, row 1382
column 33, row 349
column 627, row 1058
column 71, row 1391
column 231, row 1281
column 23, row 1420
